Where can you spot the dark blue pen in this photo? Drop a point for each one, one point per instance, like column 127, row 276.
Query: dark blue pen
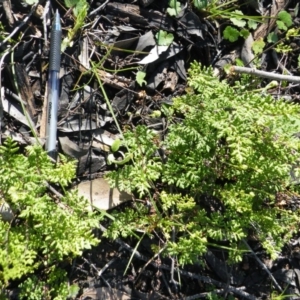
column 53, row 87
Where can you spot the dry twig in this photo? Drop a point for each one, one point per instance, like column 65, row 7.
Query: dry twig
column 263, row 266
column 264, row 74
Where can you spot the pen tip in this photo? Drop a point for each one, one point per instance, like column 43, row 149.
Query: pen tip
column 57, row 16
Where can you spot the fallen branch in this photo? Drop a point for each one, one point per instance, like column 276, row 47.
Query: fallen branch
column 264, row 74
column 263, row 266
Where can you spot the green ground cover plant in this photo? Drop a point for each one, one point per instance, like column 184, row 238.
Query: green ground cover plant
column 46, row 229
column 217, row 176
column 227, row 10
column 80, row 9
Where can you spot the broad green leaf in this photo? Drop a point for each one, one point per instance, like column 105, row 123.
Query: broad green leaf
column 172, row 11
column 244, row 33
column 174, row 8
column 238, row 21
column 174, row 4
column 252, row 24
column 200, row 4
column 272, row 37
column 258, row 46
column 285, row 17
column 230, row 33
column 281, row 25
column 140, row 78
column 164, row 38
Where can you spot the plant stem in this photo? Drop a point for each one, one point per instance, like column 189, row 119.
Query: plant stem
column 264, row 74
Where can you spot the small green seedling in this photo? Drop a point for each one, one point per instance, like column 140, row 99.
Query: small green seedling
column 174, row 9
column 163, row 38
column 140, row 78
column 80, row 9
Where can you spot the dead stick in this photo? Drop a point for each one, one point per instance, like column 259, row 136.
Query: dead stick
column 263, row 266
column 22, row 23
column 265, row 74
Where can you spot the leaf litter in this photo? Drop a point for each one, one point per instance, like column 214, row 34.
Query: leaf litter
column 142, row 51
